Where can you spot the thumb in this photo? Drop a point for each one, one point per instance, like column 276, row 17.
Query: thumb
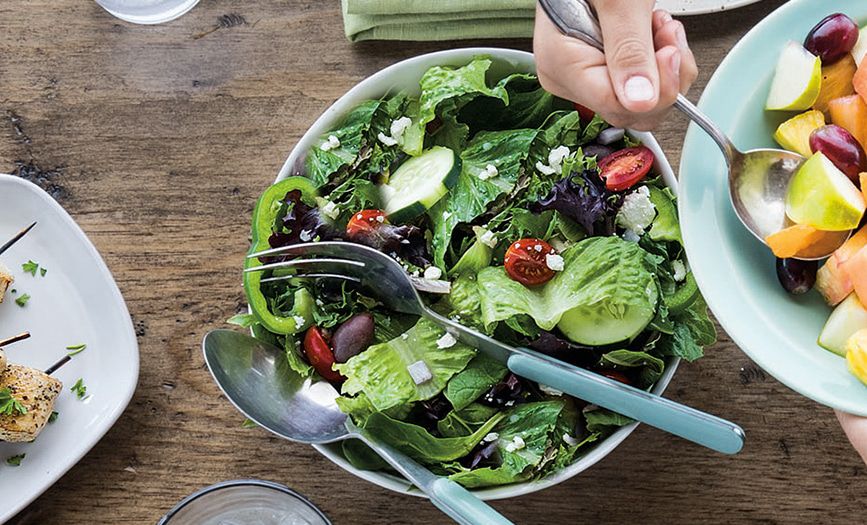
column 627, row 29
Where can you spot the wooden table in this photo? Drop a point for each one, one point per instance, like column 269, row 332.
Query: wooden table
column 158, row 141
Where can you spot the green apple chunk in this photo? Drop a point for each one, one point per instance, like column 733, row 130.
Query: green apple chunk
column 797, row 80
column 821, row 196
column 848, row 318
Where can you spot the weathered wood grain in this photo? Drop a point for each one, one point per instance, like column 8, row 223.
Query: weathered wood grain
column 159, row 139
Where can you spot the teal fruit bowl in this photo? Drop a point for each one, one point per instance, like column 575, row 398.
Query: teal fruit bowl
column 734, row 270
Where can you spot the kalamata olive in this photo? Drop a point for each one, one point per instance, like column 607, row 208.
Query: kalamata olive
column 352, row 337
column 832, row 38
column 597, row 150
column 841, row 148
column 797, row 276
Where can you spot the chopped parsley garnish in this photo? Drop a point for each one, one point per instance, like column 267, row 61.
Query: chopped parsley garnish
column 79, row 388
column 249, row 423
column 22, row 300
column 30, row 267
column 15, row 461
column 75, row 349
column 43, row 271
column 10, row 406
column 53, row 417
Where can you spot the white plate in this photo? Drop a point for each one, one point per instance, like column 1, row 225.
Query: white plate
column 404, row 76
column 77, row 301
column 700, row 7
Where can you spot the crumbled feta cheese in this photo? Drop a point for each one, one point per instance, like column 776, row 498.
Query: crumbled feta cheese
column 404, row 336
column 432, row 272
column 419, row 372
column 493, row 436
column 489, row 172
column 446, row 341
column 305, row 235
column 330, row 144
column 488, row 239
column 510, row 403
column 550, row 391
column 679, row 270
column 545, row 169
column 487, row 146
column 446, row 215
column 637, row 211
column 404, row 241
column 569, row 440
column 538, row 247
column 400, row 125
column 359, row 216
column 330, row 210
column 299, row 321
column 320, row 302
column 517, row 443
column 631, row 236
column 556, row 156
column 380, row 218
column 385, row 139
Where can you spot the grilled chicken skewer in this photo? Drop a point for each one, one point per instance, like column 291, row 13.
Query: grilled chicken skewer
column 35, row 390
column 5, row 280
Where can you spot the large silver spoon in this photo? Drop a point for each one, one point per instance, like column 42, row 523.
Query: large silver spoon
column 255, row 376
column 758, row 178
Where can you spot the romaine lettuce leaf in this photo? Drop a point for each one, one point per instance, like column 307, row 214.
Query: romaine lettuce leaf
column 381, row 373
column 478, row 377
column 651, row 367
column 602, row 420
column 528, row 106
column 320, row 165
column 604, row 272
column 454, row 86
column 464, row 301
column 471, row 195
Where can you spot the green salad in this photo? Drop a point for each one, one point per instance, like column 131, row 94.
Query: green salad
column 546, row 227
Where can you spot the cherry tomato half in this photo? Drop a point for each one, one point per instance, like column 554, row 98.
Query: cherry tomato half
column 623, row 169
column 319, row 355
column 584, row 112
column 364, row 221
column 616, row 375
column 526, row 262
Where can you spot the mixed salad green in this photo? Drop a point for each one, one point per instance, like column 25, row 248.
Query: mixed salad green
column 548, row 231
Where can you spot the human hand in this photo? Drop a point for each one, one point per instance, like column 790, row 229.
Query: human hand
column 856, row 429
column 646, row 63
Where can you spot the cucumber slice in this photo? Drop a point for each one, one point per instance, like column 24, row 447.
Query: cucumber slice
column 849, row 317
column 419, row 183
column 596, row 325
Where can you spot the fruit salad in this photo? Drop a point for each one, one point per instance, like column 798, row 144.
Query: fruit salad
column 825, row 81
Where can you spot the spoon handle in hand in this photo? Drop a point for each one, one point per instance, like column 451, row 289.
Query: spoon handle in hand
column 455, row 501
column 680, row 420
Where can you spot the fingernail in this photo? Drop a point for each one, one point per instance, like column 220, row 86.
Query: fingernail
column 675, row 63
column 666, row 17
column 680, row 34
column 638, row 89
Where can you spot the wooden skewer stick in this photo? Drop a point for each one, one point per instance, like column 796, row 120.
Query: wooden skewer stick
column 53, row 368
column 14, row 339
column 17, row 237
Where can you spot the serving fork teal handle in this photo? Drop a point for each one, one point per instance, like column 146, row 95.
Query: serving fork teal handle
column 694, row 425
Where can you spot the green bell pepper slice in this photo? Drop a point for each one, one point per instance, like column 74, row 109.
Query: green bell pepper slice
column 264, row 219
column 683, row 296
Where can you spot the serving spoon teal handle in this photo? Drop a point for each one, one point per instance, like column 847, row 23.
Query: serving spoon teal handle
column 257, row 380
column 691, row 424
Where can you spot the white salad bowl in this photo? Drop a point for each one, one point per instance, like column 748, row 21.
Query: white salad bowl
column 404, row 77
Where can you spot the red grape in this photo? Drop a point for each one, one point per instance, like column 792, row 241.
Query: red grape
column 832, row 38
column 796, row 276
column 841, row 148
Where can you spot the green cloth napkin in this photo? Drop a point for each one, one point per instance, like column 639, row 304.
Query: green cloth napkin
column 437, row 19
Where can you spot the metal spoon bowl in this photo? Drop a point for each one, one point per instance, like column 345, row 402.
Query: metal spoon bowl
column 255, row 376
column 758, row 178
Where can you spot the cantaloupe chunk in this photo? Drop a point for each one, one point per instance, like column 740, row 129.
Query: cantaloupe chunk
column 859, row 81
column 862, row 178
column 832, row 281
column 789, row 241
column 856, row 269
column 824, row 244
column 850, row 113
column 836, row 82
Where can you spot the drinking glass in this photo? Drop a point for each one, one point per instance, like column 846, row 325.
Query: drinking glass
column 147, row 11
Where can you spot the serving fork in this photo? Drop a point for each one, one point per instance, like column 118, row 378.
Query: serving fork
column 391, row 284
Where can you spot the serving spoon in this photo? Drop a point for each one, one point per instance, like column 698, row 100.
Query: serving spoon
column 255, row 376
column 758, row 178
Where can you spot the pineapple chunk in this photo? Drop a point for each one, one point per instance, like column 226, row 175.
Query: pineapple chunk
column 856, row 355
